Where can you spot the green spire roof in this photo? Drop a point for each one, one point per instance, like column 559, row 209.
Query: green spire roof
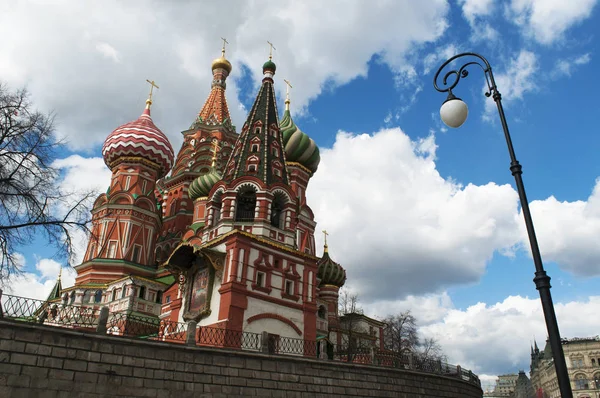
column 259, row 150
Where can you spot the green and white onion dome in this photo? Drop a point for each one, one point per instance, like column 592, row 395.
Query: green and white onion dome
column 330, row 272
column 202, row 185
column 299, row 147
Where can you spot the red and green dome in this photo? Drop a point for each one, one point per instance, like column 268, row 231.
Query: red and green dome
column 330, row 272
column 299, row 147
column 140, row 138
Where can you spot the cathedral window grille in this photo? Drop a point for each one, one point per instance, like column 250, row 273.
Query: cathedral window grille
column 260, row 279
column 289, row 288
column 112, row 249
column 142, row 292
column 137, row 250
column 98, row 296
column 245, row 205
column 277, row 212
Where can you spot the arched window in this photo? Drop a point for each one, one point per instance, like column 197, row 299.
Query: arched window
column 277, row 212
column 581, row 382
column 142, row 294
column 114, row 295
column 98, row 296
column 123, row 291
column 65, row 299
column 245, row 204
column 72, row 300
column 322, row 312
column 159, row 296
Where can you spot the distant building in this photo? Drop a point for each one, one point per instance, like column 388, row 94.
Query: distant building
column 583, row 364
column 505, row 385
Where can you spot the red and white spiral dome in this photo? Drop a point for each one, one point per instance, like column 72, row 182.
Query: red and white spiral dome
column 140, row 138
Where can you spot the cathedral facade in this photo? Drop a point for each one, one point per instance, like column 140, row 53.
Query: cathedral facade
column 220, row 232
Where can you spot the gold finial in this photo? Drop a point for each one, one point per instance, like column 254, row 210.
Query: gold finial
column 215, row 149
column 223, row 49
column 287, row 94
column 149, row 100
column 325, row 233
column 271, row 48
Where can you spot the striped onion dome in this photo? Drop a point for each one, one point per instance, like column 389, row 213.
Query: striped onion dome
column 140, row 138
column 299, row 147
column 202, row 185
column 330, row 272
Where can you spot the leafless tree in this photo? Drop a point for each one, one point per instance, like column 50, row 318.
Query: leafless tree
column 430, row 350
column 32, row 201
column 400, row 333
column 352, row 328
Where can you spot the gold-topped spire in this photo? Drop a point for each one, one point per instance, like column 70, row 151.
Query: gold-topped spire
column 59, row 273
column 325, row 233
column 287, row 94
column 149, row 100
column 215, row 149
column 223, row 49
column 271, row 48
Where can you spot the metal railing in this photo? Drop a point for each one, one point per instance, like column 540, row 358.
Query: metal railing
column 128, row 324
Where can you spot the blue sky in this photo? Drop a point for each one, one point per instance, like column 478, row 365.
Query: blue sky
column 423, row 217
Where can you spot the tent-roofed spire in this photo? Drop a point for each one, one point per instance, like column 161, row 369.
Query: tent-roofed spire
column 259, row 150
column 57, row 288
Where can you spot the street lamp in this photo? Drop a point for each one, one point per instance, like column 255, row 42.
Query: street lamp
column 454, row 113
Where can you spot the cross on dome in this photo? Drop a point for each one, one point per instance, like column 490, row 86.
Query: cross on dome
column 287, row 94
column 271, row 48
column 152, row 86
column 223, row 49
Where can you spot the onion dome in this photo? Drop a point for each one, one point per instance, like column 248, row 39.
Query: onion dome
column 221, row 62
column 140, row 138
column 269, row 65
column 299, row 147
column 330, row 272
column 202, row 185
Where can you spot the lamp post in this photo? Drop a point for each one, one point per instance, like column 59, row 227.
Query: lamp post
column 454, row 113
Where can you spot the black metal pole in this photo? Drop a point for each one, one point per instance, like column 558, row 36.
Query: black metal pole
column 541, row 280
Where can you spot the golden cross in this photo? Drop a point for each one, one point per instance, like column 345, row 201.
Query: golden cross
column 325, row 233
column 287, row 94
column 152, row 85
column 223, row 49
column 272, row 47
column 215, row 148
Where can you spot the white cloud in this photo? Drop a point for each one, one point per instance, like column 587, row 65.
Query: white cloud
column 99, row 55
column 568, row 232
column 475, row 12
column 565, row 66
column 397, row 226
column 514, row 83
column 484, row 338
column 38, row 285
column 547, row 21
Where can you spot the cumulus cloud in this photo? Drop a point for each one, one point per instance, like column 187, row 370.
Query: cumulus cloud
column 383, row 192
column 547, row 21
column 568, row 232
column 39, row 284
column 476, row 12
column 515, row 82
column 483, row 337
column 99, row 55
column 566, row 66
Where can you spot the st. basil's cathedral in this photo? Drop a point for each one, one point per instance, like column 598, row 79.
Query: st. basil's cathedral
column 221, row 232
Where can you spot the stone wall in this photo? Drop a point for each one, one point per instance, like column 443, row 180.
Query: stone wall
column 48, row 362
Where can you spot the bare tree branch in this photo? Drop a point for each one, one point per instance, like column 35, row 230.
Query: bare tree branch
column 32, row 201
